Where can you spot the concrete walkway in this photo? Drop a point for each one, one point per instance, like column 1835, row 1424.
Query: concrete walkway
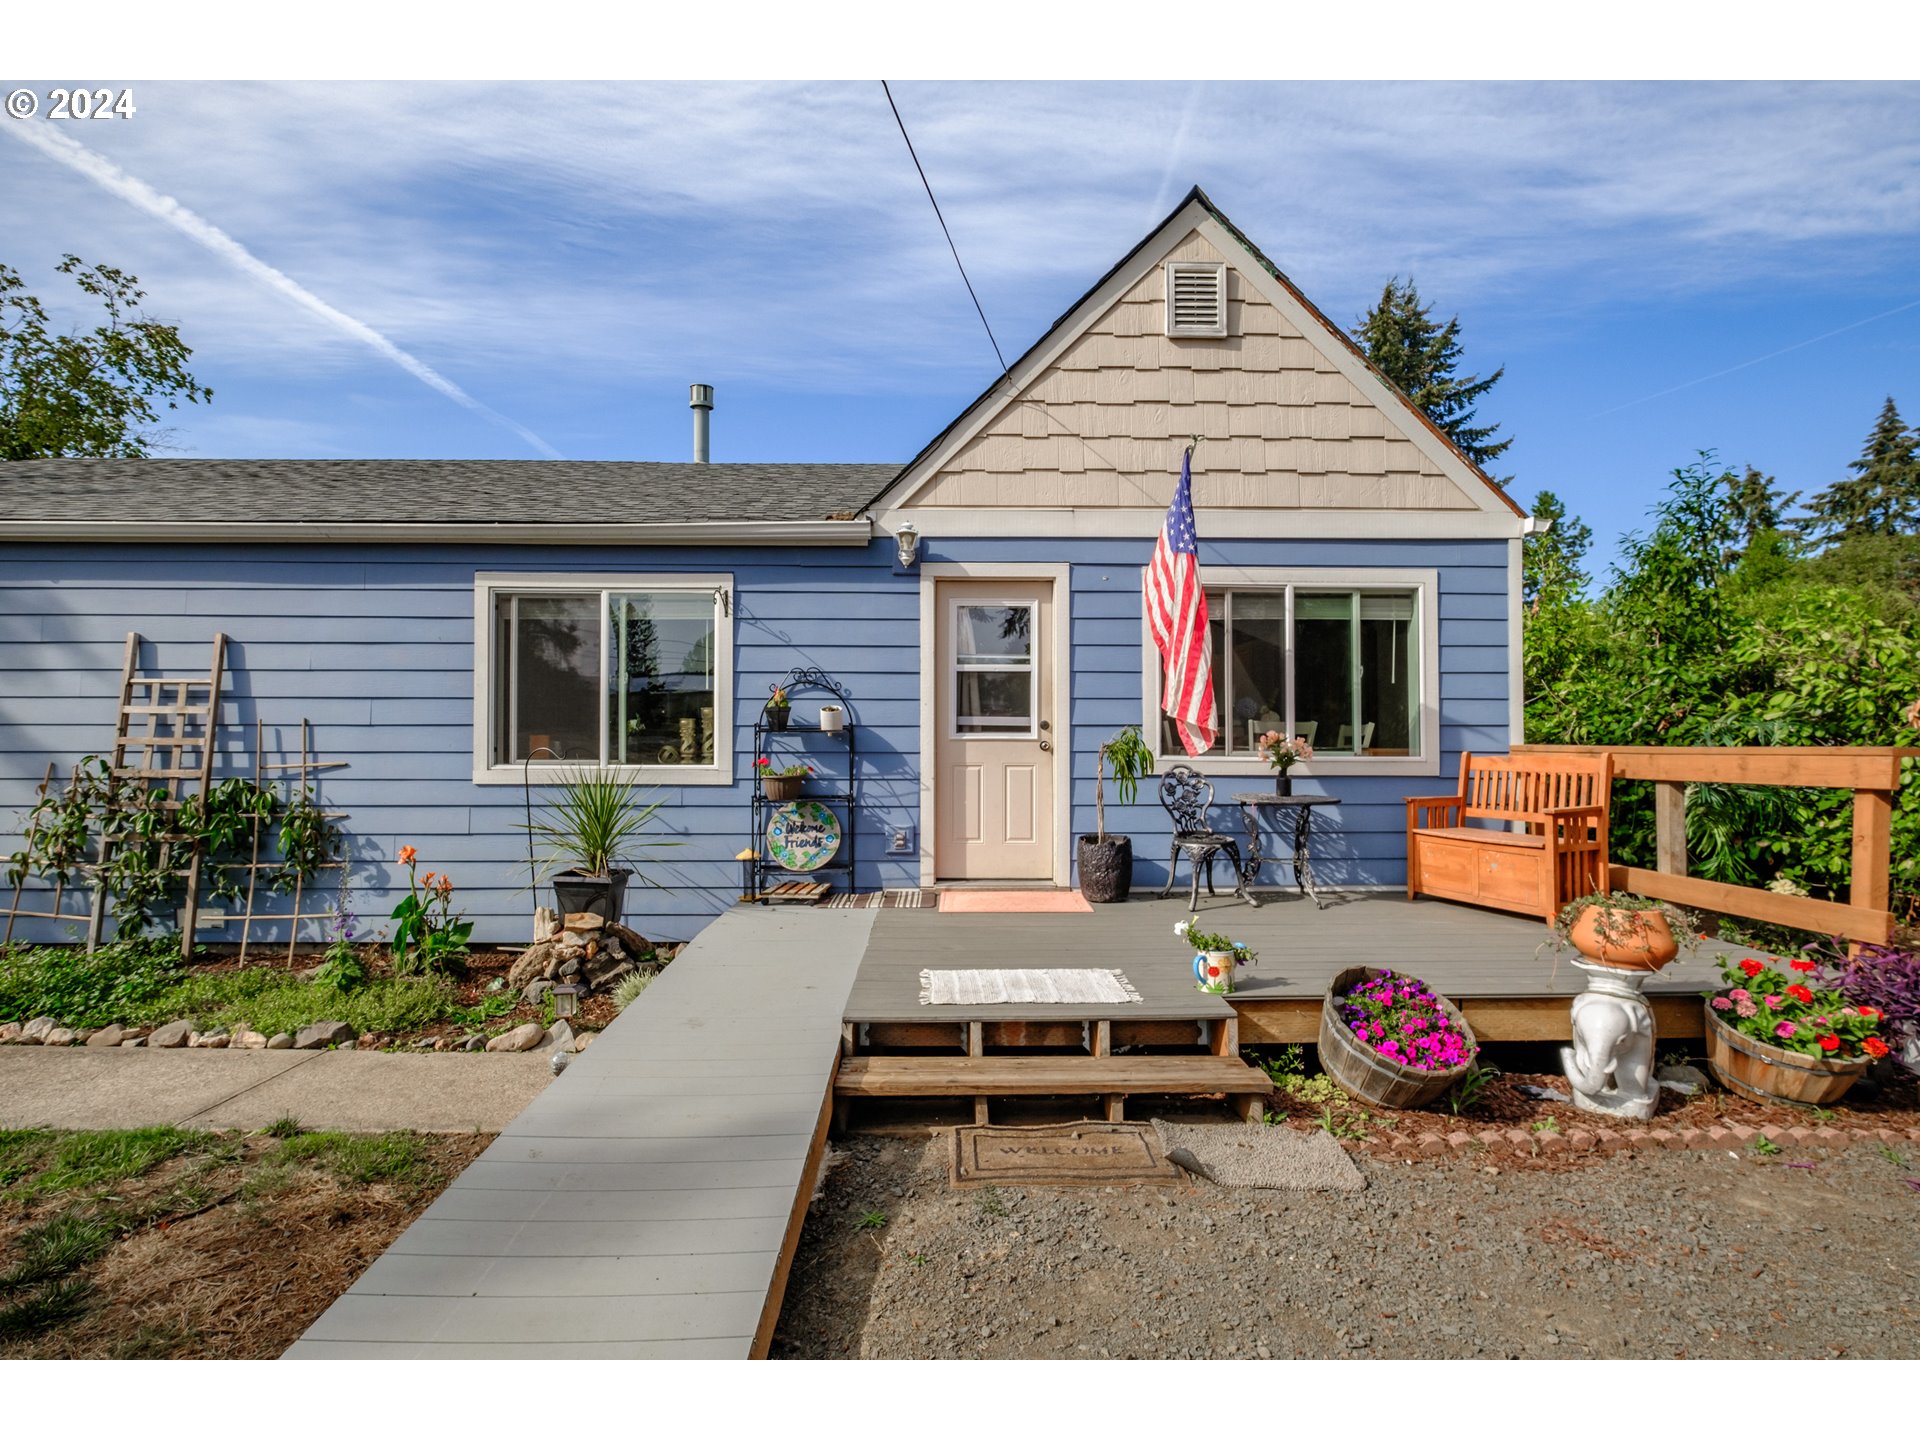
column 647, row 1204
column 363, row 1090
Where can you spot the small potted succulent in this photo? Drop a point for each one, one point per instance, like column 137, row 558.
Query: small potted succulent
column 779, row 708
column 1216, row 957
column 1283, row 753
column 1106, row 861
column 1772, row 1036
column 1626, row 932
column 1389, row 1039
column 781, row 783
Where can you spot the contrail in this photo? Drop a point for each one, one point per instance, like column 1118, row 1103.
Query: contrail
column 110, row 177
column 1758, row 359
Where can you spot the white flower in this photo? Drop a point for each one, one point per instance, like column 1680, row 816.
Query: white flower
column 1180, row 927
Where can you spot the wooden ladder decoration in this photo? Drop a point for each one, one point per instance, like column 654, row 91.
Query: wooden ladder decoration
column 300, row 775
column 163, row 743
column 15, row 912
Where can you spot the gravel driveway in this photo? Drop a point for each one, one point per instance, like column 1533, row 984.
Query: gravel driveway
column 1688, row 1255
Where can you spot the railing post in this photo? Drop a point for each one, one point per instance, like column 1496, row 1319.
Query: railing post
column 1870, row 885
column 1670, row 826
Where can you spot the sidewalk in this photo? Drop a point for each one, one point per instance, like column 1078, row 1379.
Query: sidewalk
column 360, row 1090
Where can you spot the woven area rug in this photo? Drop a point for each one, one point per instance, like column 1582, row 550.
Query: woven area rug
column 1027, row 987
column 1014, row 902
column 883, row 900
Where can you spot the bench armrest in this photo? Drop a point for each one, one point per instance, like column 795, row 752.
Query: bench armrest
column 1428, row 810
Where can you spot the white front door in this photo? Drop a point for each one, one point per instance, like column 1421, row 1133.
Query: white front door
column 995, row 753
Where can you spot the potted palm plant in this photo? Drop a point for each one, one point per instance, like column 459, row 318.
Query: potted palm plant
column 1106, row 862
column 588, row 829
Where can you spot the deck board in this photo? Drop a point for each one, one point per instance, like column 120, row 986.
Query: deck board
column 641, row 1205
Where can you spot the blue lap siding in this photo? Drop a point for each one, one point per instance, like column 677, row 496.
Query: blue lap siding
column 374, row 645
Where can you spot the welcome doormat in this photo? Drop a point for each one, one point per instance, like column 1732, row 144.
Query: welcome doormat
column 1084, row 1153
column 1013, row 902
column 1027, row 987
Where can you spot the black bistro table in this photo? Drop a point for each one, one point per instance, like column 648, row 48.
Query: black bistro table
column 1302, row 807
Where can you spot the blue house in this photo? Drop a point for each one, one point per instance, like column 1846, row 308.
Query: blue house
column 452, row 628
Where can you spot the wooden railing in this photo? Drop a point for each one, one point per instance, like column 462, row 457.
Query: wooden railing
column 1871, row 772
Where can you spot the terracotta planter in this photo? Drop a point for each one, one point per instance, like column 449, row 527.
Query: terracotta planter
column 1106, row 868
column 1637, row 940
column 782, row 788
column 1366, row 1074
column 1764, row 1072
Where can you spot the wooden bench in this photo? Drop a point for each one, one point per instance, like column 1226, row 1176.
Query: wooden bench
column 1559, row 855
column 1113, row 1076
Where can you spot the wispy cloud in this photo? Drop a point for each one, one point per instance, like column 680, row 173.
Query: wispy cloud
column 110, row 177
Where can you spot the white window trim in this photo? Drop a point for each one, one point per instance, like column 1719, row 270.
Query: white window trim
column 1425, row 585
column 487, row 584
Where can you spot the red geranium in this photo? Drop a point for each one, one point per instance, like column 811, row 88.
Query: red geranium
column 1874, row 1046
column 1805, row 967
column 1829, row 1042
column 1869, row 1012
column 1751, row 968
column 1801, row 993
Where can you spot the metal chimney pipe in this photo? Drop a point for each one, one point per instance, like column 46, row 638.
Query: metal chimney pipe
column 700, row 401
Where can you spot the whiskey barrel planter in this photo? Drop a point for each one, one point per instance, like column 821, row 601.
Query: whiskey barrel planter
column 1764, row 1072
column 1369, row 1076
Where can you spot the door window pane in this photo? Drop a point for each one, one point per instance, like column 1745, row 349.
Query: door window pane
column 660, row 678
column 993, row 670
column 548, row 647
column 1323, row 671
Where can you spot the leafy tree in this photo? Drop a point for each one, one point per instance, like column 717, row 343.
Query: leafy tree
column 1550, row 562
column 1883, row 495
column 1421, row 356
column 90, row 393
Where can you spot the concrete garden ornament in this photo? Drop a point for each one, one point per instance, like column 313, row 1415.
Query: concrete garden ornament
column 1610, row 1063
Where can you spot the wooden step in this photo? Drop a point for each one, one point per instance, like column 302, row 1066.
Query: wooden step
column 1113, row 1077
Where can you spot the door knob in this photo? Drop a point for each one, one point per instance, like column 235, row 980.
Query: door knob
column 1046, row 744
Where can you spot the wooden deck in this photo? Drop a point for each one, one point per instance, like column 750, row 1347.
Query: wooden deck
column 648, row 1202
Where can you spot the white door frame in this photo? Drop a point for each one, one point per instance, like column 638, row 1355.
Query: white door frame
column 932, row 572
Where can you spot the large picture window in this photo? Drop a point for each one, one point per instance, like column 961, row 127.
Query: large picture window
column 623, row 671
column 1343, row 661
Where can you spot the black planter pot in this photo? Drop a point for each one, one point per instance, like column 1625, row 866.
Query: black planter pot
column 575, row 893
column 1106, row 868
column 777, row 719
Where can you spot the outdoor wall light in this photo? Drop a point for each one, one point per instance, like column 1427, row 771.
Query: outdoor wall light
column 566, row 1001
column 907, row 541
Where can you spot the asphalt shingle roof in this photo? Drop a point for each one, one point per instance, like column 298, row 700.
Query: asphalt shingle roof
column 523, row 492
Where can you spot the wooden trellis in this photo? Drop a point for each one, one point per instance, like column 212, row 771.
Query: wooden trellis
column 300, row 773
column 14, row 911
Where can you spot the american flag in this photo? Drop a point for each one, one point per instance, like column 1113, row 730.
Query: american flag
column 1177, row 612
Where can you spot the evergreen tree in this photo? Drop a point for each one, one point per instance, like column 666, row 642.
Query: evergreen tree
column 1420, row 356
column 1550, row 562
column 1882, row 497
column 1755, row 503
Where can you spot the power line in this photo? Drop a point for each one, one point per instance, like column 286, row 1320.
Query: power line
column 945, row 231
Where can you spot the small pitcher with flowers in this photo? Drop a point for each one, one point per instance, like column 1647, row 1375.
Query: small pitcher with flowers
column 1216, row 957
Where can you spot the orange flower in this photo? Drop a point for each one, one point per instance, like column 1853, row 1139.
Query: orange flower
column 1874, row 1046
column 446, row 884
column 407, row 854
column 427, row 879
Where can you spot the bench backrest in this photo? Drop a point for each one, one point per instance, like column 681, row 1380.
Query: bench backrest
column 1525, row 787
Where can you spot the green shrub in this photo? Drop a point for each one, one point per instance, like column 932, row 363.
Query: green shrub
column 113, row 983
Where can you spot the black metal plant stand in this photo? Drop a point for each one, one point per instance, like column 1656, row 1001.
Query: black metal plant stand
column 802, row 739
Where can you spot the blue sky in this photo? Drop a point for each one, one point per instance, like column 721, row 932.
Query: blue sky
column 569, row 257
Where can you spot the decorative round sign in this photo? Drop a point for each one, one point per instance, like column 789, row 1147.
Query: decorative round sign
column 803, row 835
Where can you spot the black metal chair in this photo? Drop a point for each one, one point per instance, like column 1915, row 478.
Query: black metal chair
column 1187, row 795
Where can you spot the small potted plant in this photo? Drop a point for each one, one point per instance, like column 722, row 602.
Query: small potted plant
column 1772, row 1036
column 1283, row 753
column 1389, row 1039
column 592, row 825
column 1106, row 861
column 779, row 707
column 781, row 783
column 1216, row 957
column 1626, row 932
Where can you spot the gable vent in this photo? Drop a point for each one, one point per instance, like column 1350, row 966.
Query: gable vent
column 1196, row 298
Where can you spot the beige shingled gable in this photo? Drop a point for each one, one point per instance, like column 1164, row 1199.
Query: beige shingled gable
column 1282, row 422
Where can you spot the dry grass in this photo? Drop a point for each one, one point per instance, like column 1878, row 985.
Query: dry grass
column 226, row 1249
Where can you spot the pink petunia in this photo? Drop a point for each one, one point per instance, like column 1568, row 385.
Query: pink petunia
column 1746, row 1009
column 1721, row 1002
column 1785, row 1029
column 1739, row 993
column 1773, row 1002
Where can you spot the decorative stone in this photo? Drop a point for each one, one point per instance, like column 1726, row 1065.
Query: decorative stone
column 584, row 1039
column 281, row 1041
column 138, row 1042
column 10, row 1032
column 584, row 922
column 248, row 1040
column 170, row 1036
column 108, row 1036
column 531, row 965
column 1610, row 1063
column 521, row 1037
column 61, row 1036
column 474, row 1042
column 545, row 923
column 36, row 1030
column 535, row 989
column 82, row 1034
column 322, row 1033
column 1683, row 1079
column 569, row 969
column 211, row 1040
column 559, row 1036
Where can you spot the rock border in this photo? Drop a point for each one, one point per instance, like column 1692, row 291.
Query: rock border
column 1579, row 1140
